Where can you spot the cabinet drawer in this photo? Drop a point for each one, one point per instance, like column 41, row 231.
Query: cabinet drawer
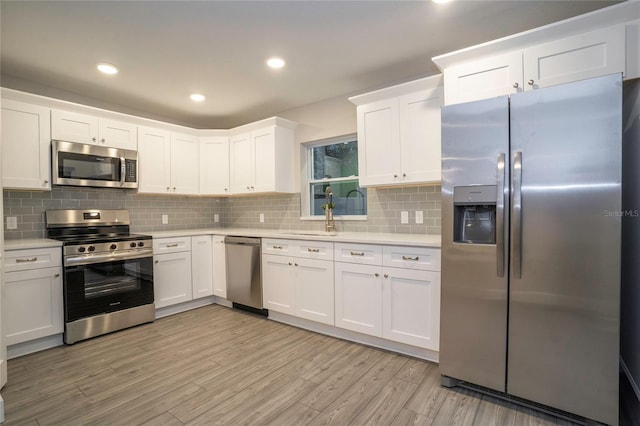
column 365, row 254
column 279, row 247
column 171, row 245
column 314, row 250
column 22, row 260
column 423, row 258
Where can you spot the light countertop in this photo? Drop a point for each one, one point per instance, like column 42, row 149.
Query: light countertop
column 31, row 243
column 428, row 240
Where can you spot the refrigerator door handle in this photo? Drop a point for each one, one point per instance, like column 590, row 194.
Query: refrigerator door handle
column 516, row 214
column 500, row 196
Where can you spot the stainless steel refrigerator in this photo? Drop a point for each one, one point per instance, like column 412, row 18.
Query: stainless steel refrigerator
column 531, row 232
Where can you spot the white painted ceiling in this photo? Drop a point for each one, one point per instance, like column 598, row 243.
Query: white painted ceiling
column 168, row 49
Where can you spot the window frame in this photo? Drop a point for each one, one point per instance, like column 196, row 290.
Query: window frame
column 307, row 178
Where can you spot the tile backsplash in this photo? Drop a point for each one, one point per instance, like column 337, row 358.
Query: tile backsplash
column 280, row 211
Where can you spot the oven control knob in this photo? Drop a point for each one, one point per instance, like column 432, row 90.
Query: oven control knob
column 81, row 249
column 113, row 246
column 132, row 244
column 140, row 244
column 91, row 248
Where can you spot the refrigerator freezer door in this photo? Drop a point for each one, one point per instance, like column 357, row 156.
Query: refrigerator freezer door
column 564, row 300
column 475, row 141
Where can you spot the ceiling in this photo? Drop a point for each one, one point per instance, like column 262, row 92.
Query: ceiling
column 167, row 50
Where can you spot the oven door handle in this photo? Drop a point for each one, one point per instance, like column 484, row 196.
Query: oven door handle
column 88, row 259
column 123, row 169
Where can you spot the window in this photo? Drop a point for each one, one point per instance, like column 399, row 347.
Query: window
column 334, row 164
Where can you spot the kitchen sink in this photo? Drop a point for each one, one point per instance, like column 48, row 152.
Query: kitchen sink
column 310, row 233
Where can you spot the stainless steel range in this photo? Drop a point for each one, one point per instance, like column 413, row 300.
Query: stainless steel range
column 108, row 272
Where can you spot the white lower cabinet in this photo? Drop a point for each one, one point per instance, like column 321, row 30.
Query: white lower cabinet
column 411, row 307
column 219, row 267
column 296, row 283
column 358, row 300
column 202, row 266
column 32, row 295
column 172, row 271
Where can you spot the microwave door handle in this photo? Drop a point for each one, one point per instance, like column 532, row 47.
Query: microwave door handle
column 123, row 170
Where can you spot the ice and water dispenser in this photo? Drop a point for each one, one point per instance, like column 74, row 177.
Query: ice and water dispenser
column 474, row 217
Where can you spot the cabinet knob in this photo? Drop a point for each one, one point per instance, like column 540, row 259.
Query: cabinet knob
column 157, row 261
column 290, row 263
column 168, row 189
column 46, row 182
column 226, row 189
column 252, row 187
column 56, row 275
column 516, row 85
column 376, row 274
column 102, row 140
column 530, row 82
column 247, row 187
column 93, row 139
column 404, row 175
column 395, row 176
column 174, row 188
column 386, row 275
column 295, row 264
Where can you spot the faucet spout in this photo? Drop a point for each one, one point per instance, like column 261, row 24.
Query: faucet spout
column 329, row 223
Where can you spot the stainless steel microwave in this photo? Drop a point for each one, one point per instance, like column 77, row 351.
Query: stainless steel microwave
column 79, row 164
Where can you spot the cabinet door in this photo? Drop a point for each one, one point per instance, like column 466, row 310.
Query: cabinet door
column 358, row 305
column 278, row 283
column 172, row 278
column 264, row 163
column 241, row 163
column 184, row 164
column 219, row 267
column 483, row 79
column 411, row 307
column 379, row 143
column 202, row 266
column 32, row 304
column 74, row 127
column 314, row 290
column 214, row 165
column 420, row 136
column 575, row 58
column 118, row 134
column 25, row 146
column 154, row 150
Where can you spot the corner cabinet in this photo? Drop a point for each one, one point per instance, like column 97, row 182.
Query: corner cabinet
column 399, row 134
column 168, row 162
column 26, row 137
column 88, row 129
column 214, row 165
column 582, row 56
column 261, row 157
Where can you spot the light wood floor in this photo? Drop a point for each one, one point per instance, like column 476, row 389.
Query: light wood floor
column 215, row 365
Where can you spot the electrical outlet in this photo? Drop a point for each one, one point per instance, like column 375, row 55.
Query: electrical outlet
column 12, row 222
column 419, row 216
column 404, row 217
column 216, row 218
column 165, row 219
column 261, row 217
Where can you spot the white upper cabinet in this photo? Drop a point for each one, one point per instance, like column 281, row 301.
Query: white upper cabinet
column 25, row 146
column 399, row 134
column 154, row 164
column 168, row 162
column 533, row 66
column 261, row 159
column 214, row 165
column 483, row 79
column 184, row 164
column 84, row 128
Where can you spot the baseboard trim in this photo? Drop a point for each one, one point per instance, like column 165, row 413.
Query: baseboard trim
column 37, row 345
column 353, row 336
column 183, row 307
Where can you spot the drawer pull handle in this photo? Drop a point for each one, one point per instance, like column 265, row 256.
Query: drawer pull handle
column 172, row 245
column 410, row 258
column 277, row 247
column 357, row 253
column 314, row 250
column 31, row 259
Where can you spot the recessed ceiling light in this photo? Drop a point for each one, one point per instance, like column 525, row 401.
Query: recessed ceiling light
column 197, row 97
column 275, row 63
column 440, row 1
column 107, row 68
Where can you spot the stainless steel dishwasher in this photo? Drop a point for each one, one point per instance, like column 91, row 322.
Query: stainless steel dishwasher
column 244, row 278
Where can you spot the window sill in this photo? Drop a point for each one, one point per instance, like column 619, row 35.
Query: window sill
column 337, row 218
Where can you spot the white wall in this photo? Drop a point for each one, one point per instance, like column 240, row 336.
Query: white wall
column 321, row 120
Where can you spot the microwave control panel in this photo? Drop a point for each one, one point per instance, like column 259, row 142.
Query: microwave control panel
column 131, row 172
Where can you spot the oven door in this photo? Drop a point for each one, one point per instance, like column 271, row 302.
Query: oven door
column 109, row 286
column 88, row 165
